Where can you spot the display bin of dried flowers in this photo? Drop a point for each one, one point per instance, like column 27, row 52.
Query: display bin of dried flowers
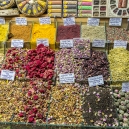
column 67, row 32
column 44, row 31
column 118, row 63
column 94, row 33
column 96, row 65
column 116, row 33
column 20, row 32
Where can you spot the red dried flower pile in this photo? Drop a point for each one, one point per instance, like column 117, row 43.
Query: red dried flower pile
column 16, row 61
column 40, row 63
column 35, row 101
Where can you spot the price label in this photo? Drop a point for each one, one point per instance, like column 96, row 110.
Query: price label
column 17, row 43
column 69, row 21
column 125, row 86
column 93, row 21
column 120, row 43
column 67, row 78
column 45, row 20
column 21, row 21
column 8, row 75
column 68, row 43
column 98, row 43
column 95, row 81
column 45, row 42
column 115, row 21
column 2, row 20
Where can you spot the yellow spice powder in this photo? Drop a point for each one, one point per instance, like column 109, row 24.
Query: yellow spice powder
column 43, row 31
column 3, row 32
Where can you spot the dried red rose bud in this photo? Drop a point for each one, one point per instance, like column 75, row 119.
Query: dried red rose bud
column 35, row 97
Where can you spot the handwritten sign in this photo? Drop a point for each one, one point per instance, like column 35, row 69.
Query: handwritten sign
column 67, row 78
column 8, row 75
column 21, row 21
column 125, row 86
column 45, row 42
column 96, row 80
column 69, row 21
column 115, row 21
column 19, row 43
column 2, row 20
column 93, row 21
column 67, row 43
column 98, row 43
column 45, row 20
column 120, row 43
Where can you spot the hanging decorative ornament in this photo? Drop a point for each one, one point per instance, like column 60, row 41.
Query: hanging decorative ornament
column 4, row 4
column 32, row 7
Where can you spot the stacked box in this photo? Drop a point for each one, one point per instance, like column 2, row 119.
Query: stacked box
column 84, row 8
column 69, row 8
column 99, row 8
column 55, row 8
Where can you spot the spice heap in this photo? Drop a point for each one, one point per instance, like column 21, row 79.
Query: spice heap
column 98, row 107
column 34, row 106
column 20, row 32
column 65, row 63
column 40, row 63
column 11, row 96
column 119, row 63
column 114, row 33
column 16, row 60
column 81, row 48
column 43, row 31
column 96, row 65
column 65, row 106
column 93, row 32
column 3, row 32
column 68, row 32
column 4, row 4
column 84, row 8
column 122, row 104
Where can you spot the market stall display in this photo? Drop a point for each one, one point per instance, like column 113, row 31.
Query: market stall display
column 32, row 7
column 93, row 32
column 118, row 62
column 54, row 8
column 98, row 107
column 85, row 8
column 100, row 8
column 46, row 31
column 122, row 104
column 4, row 4
column 69, row 8
column 96, row 65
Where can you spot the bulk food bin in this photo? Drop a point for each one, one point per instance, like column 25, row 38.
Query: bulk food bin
column 20, row 32
column 44, row 31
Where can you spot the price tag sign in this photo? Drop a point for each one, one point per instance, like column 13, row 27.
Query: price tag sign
column 68, row 43
column 8, row 75
column 17, row 43
column 69, row 21
column 98, row 43
column 95, row 81
column 67, row 78
column 44, row 20
column 125, row 86
column 93, row 21
column 45, row 42
column 21, row 21
column 2, row 20
column 120, row 43
column 115, row 21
